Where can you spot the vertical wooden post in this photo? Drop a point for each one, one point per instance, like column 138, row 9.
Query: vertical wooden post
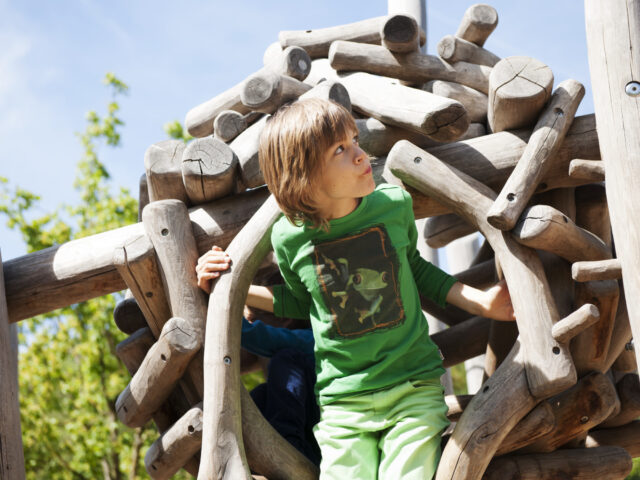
column 613, row 39
column 11, row 455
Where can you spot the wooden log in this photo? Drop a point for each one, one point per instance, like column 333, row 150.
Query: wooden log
column 625, row 436
column 519, row 87
column 545, row 228
column 209, row 169
column 441, row 230
column 548, row 134
column 500, row 404
column 462, row 341
column 143, row 194
column 159, row 373
column 592, row 211
column 613, row 37
column 137, row 263
column 549, row 366
column 228, row 125
column 316, row 42
column 330, row 90
column 413, row 67
column 596, row 270
column 176, row 446
column 589, row 349
column 587, row 170
column 128, row 316
column 84, row 268
column 621, row 335
column 132, row 352
column 416, row 9
column 478, row 22
column 577, row 410
column 292, row 61
column 168, row 226
column 222, row 411
column 537, row 423
column 265, row 91
column 456, row 405
column 12, row 465
column 474, row 101
column 245, row 146
column 601, row 463
column 626, row 361
column 272, row 52
column 400, row 34
column 163, row 166
column 455, row 49
column 577, row 322
column 628, row 389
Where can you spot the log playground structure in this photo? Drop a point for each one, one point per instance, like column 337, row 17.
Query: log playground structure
column 483, row 144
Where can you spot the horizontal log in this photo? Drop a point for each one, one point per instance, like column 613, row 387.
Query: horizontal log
column 128, row 316
column 601, row 463
column 626, row 361
column 536, row 424
column 400, row 34
column 596, row 270
column 265, row 91
column 577, row 322
column 474, row 101
column 158, row 374
column 626, row 436
column 478, row 22
column 82, row 269
column 463, row 341
column 441, row 230
column 176, row 446
column 414, row 67
column 292, row 61
column 628, row 389
column 455, row 49
column 591, row 170
column 228, row 125
column 545, row 228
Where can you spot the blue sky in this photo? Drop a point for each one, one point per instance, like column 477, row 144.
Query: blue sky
column 175, row 55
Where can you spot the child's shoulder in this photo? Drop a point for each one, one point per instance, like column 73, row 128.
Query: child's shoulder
column 389, row 192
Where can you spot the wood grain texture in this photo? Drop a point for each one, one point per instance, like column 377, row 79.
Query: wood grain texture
column 478, row 22
column 400, row 34
column 455, row 49
column 265, row 91
column 162, row 164
column 228, row 125
column 578, row 321
column 596, row 270
column 474, row 101
column 591, row 170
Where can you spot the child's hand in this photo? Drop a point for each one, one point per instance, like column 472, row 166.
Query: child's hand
column 498, row 302
column 210, row 265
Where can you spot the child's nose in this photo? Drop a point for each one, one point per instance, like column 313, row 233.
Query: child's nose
column 360, row 156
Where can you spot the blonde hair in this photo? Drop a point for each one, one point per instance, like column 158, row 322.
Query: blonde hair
column 293, row 145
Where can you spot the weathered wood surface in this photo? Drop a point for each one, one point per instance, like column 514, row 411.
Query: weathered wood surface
column 478, row 22
column 12, row 465
column 455, row 49
column 626, row 361
column 590, row 348
column 545, row 228
column 577, row 410
column 474, row 101
column 441, row 230
column 330, row 90
column 592, row 211
column 492, row 413
column 199, row 120
column 537, row 423
column 159, row 373
column 519, row 87
column 128, row 316
column 414, row 67
column 627, row 437
column 317, row 42
column 548, row 363
column 628, row 389
column 163, row 166
column 228, row 125
column 462, row 341
column 416, row 9
column 591, row 170
column 245, row 146
column 621, row 334
column 577, row 322
column 547, row 136
column 601, row 463
column 265, row 91
column 223, row 452
column 176, row 446
column 132, row 352
column 209, row 169
column 613, row 39
column 292, row 61
column 596, row 270
column 137, row 263
column 456, row 405
column 400, row 34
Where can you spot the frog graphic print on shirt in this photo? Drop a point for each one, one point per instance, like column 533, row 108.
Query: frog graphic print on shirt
column 358, row 276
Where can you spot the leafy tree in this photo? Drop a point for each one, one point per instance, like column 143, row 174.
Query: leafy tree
column 69, row 374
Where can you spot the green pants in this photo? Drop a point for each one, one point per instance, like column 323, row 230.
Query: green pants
column 389, row 434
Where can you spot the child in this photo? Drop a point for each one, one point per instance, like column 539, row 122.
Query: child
column 347, row 252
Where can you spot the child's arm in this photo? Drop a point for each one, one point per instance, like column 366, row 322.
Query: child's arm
column 492, row 303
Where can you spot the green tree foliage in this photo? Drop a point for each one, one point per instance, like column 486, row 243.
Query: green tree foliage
column 70, row 376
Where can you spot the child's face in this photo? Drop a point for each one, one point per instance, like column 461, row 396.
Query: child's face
column 345, row 177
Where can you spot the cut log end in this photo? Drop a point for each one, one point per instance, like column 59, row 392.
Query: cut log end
column 400, row 33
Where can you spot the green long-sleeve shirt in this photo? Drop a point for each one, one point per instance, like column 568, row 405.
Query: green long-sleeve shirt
column 359, row 284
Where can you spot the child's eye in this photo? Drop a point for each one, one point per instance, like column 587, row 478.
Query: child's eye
column 339, row 150
column 356, row 139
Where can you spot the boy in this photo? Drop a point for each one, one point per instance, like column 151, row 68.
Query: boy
column 347, row 252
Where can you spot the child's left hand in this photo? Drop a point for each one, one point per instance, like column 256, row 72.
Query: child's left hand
column 498, row 302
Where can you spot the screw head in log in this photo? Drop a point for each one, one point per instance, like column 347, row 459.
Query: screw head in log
column 633, row 89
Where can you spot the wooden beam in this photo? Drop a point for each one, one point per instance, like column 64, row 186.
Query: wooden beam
column 478, row 22
column 596, row 270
